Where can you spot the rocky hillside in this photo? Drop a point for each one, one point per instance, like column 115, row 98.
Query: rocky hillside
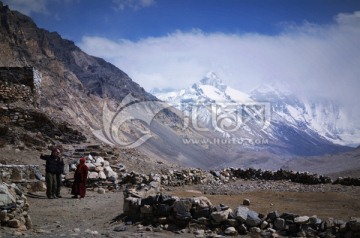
column 76, row 87
column 87, row 92
column 73, row 83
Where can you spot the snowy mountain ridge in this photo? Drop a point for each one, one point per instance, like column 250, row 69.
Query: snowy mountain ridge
column 291, row 117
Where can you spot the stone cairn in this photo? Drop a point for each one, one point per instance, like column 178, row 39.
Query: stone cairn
column 14, row 208
column 101, row 173
column 159, row 212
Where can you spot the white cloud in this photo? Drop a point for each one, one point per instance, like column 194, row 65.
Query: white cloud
column 134, row 4
column 307, row 59
column 27, row 6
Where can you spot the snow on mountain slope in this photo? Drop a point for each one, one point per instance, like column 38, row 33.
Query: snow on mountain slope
column 323, row 116
column 209, row 89
column 290, row 125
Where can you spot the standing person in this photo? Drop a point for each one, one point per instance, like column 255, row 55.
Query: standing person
column 50, row 170
column 80, row 179
column 59, row 171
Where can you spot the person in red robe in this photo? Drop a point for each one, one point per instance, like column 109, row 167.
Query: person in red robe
column 80, row 179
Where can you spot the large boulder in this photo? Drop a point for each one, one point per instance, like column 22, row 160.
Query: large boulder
column 241, row 213
column 182, row 208
column 6, row 197
column 220, row 216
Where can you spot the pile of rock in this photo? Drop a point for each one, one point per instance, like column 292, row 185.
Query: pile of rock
column 100, row 171
column 14, row 208
column 164, row 212
column 106, row 152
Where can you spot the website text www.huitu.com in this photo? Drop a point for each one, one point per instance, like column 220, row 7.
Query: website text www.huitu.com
column 225, row 141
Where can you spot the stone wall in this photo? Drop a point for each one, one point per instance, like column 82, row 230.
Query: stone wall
column 197, row 176
column 13, row 173
column 165, row 212
column 20, row 84
column 34, row 121
column 21, row 121
column 27, row 177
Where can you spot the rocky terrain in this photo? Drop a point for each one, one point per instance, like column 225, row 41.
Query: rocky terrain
column 52, row 94
column 104, row 213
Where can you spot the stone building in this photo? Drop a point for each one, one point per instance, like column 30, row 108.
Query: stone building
column 22, row 121
column 20, row 84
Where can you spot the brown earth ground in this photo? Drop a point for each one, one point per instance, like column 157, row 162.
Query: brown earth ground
column 96, row 215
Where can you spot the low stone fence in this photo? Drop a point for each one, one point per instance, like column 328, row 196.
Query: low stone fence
column 164, row 212
column 11, row 173
column 197, row 176
column 297, row 177
column 27, row 177
column 347, row 181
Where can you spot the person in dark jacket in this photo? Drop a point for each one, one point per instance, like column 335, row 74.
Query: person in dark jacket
column 51, row 169
column 59, row 171
column 80, row 179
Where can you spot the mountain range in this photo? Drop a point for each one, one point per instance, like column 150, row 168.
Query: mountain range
column 94, row 96
column 295, row 126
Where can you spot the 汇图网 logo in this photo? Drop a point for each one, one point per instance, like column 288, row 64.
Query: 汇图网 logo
column 224, row 118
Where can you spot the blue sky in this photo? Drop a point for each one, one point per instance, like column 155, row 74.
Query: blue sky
column 311, row 47
column 138, row 19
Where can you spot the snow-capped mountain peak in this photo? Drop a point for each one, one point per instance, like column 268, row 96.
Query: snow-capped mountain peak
column 209, row 89
column 212, row 79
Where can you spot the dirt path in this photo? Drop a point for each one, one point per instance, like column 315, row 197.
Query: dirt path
column 67, row 216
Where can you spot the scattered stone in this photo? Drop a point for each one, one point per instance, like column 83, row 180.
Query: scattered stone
column 279, row 224
column 315, row 220
column 264, row 224
column 273, row 215
column 220, row 216
column 230, row 231
column 301, row 219
column 241, row 213
column 146, row 209
column 14, row 223
column 182, row 208
column 246, row 202
column 242, row 229
column 120, row 228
